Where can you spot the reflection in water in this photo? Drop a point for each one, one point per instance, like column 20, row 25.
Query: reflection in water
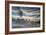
column 21, row 23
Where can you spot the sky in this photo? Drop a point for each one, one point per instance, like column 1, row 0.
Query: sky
column 27, row 8
column 34, row 9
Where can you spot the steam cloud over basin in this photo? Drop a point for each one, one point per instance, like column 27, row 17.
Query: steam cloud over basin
column 25, row 17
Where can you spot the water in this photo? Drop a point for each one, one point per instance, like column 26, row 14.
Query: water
column 21, row 23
